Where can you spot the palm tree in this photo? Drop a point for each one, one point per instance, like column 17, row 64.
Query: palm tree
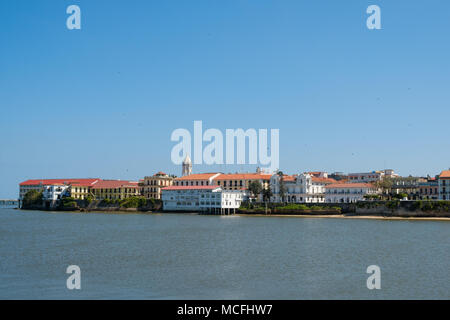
column 267, row 194
column 282, row 186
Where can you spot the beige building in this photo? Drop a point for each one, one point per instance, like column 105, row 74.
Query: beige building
column 115, row 189
column 240, row 181
column 151, row 185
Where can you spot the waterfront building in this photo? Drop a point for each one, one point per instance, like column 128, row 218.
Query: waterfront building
column 80, row 190
column 54, row 192
column 348, row 192
column 408, row 185
column 115, row 189
column 152, row 185
column 370, row 177
column 444, row 185
column 206, row 198
column 196, row 179
column 81, row 186
column 237, row 181
column 308, row 187
column 338, row 176
column 429, row 190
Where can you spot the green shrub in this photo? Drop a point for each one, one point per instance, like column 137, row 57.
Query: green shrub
column 133, row 202
column 32, row 197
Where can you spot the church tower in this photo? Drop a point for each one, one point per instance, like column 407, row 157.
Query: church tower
column 187, row 167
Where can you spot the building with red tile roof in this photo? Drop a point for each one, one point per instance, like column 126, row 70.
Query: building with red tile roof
column 444, row 185
column 206, row 198
column 349, row 192
column 308, row 187
column 115, row 189
column 78, row 188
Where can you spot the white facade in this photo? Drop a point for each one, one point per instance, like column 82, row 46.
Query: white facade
column 54, row 192
column 202, row 198
column 302, row 188
column 348, row 192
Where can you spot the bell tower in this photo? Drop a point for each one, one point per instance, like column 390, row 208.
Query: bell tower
column 186, row 167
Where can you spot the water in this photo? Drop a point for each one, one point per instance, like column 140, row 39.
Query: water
column 172, row 256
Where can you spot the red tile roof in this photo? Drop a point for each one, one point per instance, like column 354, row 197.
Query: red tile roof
column 77, row 182
column 350, row 185
column 196, row 176
column 243, row 176
column 323, row 180
column 444, row 174
column 109, row 184
column 287, row 178
column 171, row 188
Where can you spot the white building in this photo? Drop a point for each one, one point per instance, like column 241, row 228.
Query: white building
column 444, row 185
column 41, row 185
column 204, row 198
column 369, row 177
column 54, row 192
column 302, row 188
column 348, row 192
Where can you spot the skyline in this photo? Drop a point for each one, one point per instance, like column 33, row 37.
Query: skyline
column 103, row 101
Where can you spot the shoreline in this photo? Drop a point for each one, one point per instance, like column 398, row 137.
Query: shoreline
column 342, row 216
column 320, row 216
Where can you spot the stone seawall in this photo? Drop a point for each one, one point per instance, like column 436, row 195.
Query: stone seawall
column 405, row 209
column 432, row 209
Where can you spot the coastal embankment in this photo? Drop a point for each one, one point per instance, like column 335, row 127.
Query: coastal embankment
column 133, row 204
column 363, row 209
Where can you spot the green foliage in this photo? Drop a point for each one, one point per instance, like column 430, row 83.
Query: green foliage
column 255, row 187
column 88, row 199
column 372, row 197
column 424, row 205
column 291, row 208
column 68, row 203
column 133, row 202
column 32, row 197
column 400, row 196
column 267, row 194
column 394, row 204
column 282, row 185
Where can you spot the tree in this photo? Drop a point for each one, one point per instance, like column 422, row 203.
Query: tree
column 385, row 184
column 255, row 188
column 32, row 197
column 267, row 194
column 282, row 186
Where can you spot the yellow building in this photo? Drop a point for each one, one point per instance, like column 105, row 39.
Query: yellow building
column 81, row 189
column 115, row 189
column 151, row 185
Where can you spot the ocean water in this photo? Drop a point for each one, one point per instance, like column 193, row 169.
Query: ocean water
column 174, row 256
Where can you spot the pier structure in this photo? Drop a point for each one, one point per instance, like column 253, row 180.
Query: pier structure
column 9, row 202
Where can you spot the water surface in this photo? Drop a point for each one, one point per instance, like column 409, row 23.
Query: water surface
column 173, row 256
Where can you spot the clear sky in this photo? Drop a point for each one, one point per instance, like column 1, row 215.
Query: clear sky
column 103, row 101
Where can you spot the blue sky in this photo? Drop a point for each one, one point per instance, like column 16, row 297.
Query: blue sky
column 103, row 101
